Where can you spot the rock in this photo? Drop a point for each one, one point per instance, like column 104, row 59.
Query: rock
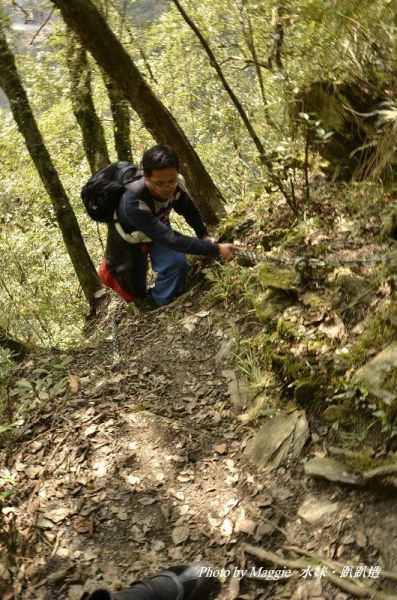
column 313, row 509
column 220, row 448
column 265, row 309
column 336, row 412
column 271, row 276
column 331, row 469
column 180, row 534
column 245, row 526
column 233, row 389
column 383, row 536
column 190, row 324
column 227, row 528
column 379, row 377
column 285, row 434
column 224, row 352
column 352, row 288
column 75, row 592
column 265, row 529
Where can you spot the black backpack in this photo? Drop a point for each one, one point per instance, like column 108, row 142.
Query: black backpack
column 103, row 190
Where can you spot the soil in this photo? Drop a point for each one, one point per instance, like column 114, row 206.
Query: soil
column 140, row 464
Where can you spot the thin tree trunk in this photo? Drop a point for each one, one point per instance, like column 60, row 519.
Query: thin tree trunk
column 121, row 119
column 84, row 18
column 93, row 135
column 250, row 41
column 264, row 157
column 19, row 103
column 278, row 38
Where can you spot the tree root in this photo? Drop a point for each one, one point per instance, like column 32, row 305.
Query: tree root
column 356, row 590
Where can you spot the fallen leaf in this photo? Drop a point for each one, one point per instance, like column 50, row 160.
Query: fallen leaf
column 176, row 554
column 220, row 448
column 333, row 327
column 146, row 500
column 57, row 515
column 90, row 430
column 245, row 526
column 44, row 523
column 75, row 592
column 74, row 383
column 227, row 528
column 158, row 545
column 180, row 534
column 132, row 479
column 184, row 478
column 81, row 524
column 361, row 539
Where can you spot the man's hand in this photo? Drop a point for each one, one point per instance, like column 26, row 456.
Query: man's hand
column 209, row 239
column 227, row 251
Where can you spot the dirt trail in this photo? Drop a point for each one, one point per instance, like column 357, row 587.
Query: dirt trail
column 140, row 465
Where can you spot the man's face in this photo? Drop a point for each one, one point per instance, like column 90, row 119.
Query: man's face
column 162, row 182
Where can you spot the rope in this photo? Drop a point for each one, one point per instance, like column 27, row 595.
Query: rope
column 307, row 261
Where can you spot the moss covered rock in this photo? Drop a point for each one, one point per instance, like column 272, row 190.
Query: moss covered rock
column 379, row 378
column 266, row 309
column 271, row 276
column 378, row 332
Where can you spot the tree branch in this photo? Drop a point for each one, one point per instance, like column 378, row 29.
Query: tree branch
column 42, row 26
column 264, row 157
column 250, row 41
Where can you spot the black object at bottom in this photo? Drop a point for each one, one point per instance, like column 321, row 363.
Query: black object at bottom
column 185, row 582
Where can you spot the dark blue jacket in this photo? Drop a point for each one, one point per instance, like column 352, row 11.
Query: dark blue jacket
column 140, row 211
column 142, row 218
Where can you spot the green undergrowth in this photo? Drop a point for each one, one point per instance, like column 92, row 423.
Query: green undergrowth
column 29, row 386
column 300, row 339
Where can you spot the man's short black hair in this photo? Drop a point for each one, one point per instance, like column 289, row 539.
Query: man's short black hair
column 159, row 157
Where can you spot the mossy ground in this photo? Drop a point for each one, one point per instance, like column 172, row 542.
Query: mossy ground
column 308, row 337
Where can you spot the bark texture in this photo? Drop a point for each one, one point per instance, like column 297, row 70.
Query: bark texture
column 93, row 135
column 20, row 107
column 83, row 17
column 121, row 119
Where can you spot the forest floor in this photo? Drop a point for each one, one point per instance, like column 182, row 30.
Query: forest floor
column 140, row 465
column 139, row 462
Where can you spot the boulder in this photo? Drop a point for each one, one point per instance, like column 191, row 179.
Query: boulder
column 379, row 378
column 281, row 437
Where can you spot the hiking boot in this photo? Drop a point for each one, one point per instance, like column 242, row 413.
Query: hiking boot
column 147, row 304
column 184, row 582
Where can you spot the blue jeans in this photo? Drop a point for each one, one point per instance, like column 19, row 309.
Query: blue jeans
column 171, row 268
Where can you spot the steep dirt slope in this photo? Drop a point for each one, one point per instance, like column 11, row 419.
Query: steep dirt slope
column 140, row 465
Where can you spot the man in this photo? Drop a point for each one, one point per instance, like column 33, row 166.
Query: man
column 194, row 581
column 142, row 227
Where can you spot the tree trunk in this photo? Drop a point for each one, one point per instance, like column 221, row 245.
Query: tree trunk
column 17, row 347
column 121, row 119
column 19, row 103
column 94, row 141
column 83, row 17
